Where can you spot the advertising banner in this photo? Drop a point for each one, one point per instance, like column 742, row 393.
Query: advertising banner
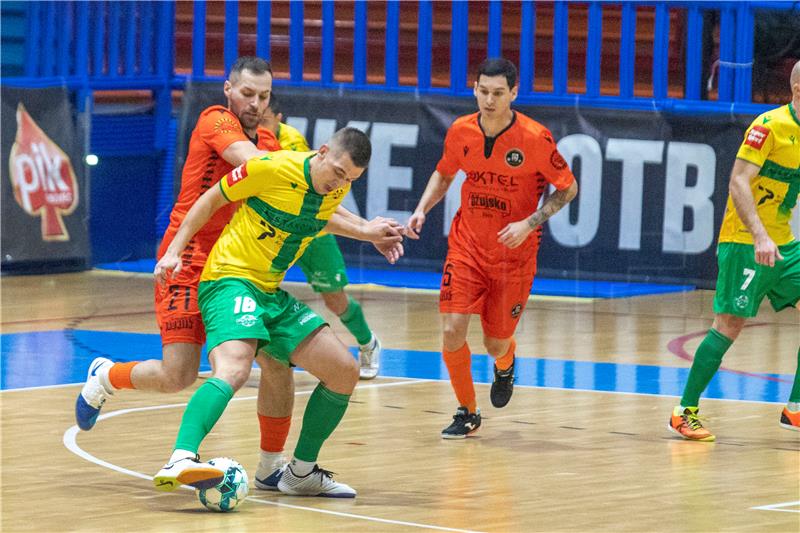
column 43, row 192
column 652, row 186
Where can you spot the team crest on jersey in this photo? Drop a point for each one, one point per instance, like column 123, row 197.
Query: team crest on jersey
column 742, row 301
column 756, row 137
column 516, row 310
column 226, row 124
column 237, row 174
column 514, row 157
column 557, row 161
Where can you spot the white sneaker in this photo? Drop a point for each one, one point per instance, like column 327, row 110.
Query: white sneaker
column 318, row 482
column 369, row 357
column 93, row 395
column 268, row 475
column 187, row 471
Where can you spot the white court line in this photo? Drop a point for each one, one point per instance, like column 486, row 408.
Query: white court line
column 70, row 442
column 777, row 507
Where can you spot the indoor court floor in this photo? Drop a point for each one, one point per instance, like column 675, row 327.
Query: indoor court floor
column 583, row 445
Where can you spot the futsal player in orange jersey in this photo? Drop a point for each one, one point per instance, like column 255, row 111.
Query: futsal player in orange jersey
column 508, row 159
column 224, row 138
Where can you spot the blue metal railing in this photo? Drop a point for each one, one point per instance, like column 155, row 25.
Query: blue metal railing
column 106, row 45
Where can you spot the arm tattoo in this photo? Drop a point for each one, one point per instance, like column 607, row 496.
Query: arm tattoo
column 551, row 206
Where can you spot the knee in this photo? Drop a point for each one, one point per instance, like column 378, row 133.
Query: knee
column 336, row 302
column 729, row 325
column 453, row 337
column 496, row 347
column 347, row 373
column 178, row 379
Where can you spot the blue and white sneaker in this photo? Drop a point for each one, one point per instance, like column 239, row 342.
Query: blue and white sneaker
column 93, row 395
column 318, row 482
column 268, row 476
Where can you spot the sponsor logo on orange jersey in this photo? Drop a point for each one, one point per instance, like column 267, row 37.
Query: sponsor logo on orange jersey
column 488, row 201
column 42, row 177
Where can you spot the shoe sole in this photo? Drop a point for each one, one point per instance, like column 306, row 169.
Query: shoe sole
column 366, row 376
column 460, row 437
column 712, row 438
column 789, row 427
column 199, row 478
column 320, row 495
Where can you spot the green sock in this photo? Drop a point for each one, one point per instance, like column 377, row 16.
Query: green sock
column 324, row 411
column 706, row 363
column 794, row 396
column 353, row 319
column 205, row 407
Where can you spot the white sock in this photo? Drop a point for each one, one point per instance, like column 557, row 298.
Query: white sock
column 302, row 468
column 371, row 343
column 271, row 460
column 793, row 406
column 177, row 455
column 105, row 381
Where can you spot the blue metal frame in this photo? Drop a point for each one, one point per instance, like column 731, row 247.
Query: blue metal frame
column 68, row 43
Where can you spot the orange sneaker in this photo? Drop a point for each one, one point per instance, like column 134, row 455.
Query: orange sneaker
column 685, row 422
column 790, row 420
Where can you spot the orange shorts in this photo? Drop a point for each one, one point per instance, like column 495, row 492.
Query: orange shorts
column 498, row 299
column 177, row 312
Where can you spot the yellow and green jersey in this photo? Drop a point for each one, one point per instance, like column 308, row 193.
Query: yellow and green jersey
column 291, row 139
column 773, row 143
column 279, row 216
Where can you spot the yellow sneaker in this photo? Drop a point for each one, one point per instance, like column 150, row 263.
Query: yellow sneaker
column 686, row 423
column 790, row 419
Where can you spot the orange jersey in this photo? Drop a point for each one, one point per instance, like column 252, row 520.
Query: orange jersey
column 217, row 128
column 505, row 177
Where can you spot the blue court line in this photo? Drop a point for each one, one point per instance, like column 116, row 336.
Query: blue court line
column 60, row 357
column 396, row 277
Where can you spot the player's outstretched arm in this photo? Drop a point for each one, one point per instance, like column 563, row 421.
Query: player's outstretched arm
column 742, row 175
column 198, row 215
column 516, row 232
column 241, row 151
column 434, row 192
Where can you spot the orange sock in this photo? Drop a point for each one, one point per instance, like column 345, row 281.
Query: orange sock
column 120, row 375
column 274, row 432
column 459, row 365
column 504, row 362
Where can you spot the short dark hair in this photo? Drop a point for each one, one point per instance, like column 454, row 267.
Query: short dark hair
column 498, row 66
column 254, row 64
column 273, row 104
column 355, row 142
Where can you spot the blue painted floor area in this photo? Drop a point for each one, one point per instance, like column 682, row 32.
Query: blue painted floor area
column 396, row 277
column 61, row 357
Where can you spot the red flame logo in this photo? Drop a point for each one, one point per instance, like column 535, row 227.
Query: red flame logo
column 42, row 176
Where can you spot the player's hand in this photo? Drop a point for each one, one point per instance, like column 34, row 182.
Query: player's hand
column 391, row 251
column 414, row 225
column 383, row 231
column 514, row 234
column 169, row 263
column 766, row 251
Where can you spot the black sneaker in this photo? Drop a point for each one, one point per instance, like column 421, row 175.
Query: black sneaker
column 503, row 386
column 464, row 423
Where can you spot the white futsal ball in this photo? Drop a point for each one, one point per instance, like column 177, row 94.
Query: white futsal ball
column 231, row 491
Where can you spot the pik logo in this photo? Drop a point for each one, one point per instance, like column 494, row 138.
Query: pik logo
column 42, row 177
column 516, row 310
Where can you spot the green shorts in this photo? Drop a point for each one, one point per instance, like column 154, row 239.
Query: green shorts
column 236, row 309
column 323, row 265
column 742, row 284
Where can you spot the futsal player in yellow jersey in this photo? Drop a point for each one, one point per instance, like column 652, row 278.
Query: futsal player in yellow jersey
column 757, row 254
column 322, row 263
column 287, row 198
